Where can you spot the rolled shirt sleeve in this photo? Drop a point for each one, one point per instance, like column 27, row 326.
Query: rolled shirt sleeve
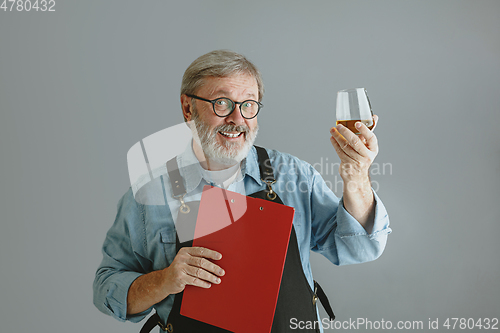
column 123, row 261
column 342, row 239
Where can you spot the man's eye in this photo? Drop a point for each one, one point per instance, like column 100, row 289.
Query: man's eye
column 222, row 102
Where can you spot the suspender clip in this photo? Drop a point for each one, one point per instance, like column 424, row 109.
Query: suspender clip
column 184, row 207
column 271, row 194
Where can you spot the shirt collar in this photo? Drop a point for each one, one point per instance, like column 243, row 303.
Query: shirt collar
column 190, row 167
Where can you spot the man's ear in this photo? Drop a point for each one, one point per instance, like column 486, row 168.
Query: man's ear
column 187, row 107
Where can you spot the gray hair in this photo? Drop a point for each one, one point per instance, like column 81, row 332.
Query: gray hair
column 218, row 63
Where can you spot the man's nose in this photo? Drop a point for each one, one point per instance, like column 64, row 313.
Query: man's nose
column 235, row 117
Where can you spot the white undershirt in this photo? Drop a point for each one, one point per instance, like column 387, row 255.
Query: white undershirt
column 221, row 178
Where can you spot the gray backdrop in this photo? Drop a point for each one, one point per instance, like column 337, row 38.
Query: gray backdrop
column 81, row 85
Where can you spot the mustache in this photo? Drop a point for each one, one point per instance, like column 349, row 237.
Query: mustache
column 232, row 128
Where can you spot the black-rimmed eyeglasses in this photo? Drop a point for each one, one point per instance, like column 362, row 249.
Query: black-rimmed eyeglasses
column 223, row 106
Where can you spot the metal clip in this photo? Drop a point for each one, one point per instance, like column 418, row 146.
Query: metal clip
column 271, row 195
column 166, row 328
column 315, row 297
column 184, row 207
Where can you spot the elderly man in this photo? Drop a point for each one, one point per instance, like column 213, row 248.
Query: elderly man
column 146, row 265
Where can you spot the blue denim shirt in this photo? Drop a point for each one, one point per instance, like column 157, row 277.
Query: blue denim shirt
column 142, row 238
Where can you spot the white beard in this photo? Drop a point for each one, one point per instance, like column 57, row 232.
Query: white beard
column 227, row 153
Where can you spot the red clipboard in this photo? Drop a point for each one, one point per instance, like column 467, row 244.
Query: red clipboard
column 252, row 235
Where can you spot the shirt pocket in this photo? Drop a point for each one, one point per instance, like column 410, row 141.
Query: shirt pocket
column 167, row 238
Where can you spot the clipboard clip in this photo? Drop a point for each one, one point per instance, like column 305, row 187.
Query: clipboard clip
column 271, row 195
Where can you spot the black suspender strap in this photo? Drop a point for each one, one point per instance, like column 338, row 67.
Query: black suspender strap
column 324, row 300
column 265, row 167
column 177, row 182
column 266, row 171
column 178, row 189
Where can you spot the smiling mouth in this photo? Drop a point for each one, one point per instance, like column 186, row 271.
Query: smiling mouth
column 231, row 135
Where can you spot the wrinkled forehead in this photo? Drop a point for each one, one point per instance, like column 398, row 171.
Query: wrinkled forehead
column 236, row 85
